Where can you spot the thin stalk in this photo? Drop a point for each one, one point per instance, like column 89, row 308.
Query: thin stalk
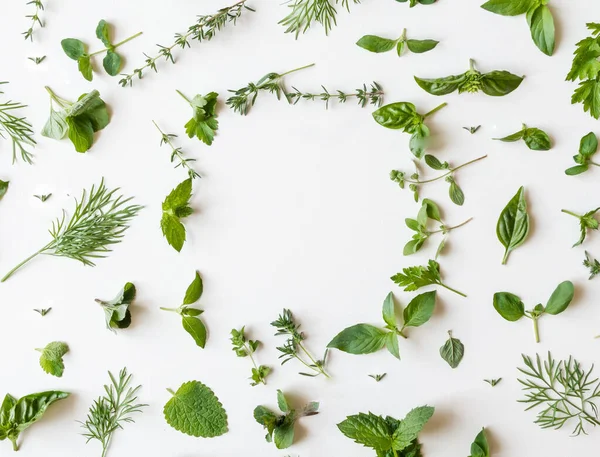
column 184, row 97
column 451, row 289
column 32, row 256
column 115, row 46
column 401, row 332
column 182, row 160
column 317, row 367
column 594, row 163
column 173, row 310
column 578, row 216
column 448, row 229
column 247, row 348
column 403, row 36
column 61, row 101
column 434, row 110
column 505, row 258
column 296, row 69
column 536, row 330
column 471, row 65
column 395, row 452
column 452, row 170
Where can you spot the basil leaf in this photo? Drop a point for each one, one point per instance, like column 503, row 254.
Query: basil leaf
column 396, row 115
column 420, row 309
column 588, row 145
column 509, row 306
column 85, row 67
column 452, row 351
column 514, row 137
column 418, row 141
column 7, row 405
column 359, row 339
column 377, row 44
column 508, row 7
column 80, row 133
column 499, row 82
column 194, row 290
column 560, row 298
column 389, row 310
column 420, row 46
column 195, row 327
column 73, row 48
column 537, row 140
column 112, row 63
column 541, row 24
column 576, row 170
column 31, row 408
column 391, row 343
column 56, row 125
column 441, row 86
column 513, row 224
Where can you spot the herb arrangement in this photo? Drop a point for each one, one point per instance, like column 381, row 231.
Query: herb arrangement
column 561, row 392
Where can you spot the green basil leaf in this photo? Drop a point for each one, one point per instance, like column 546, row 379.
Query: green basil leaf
column 480, row 447
column 421, row 46
column 509, row 306
column 103, row 33
column 456, row 194
column 396, row 115
column 441, row 86
column 452, row 351
column 588, row 145
column 31, row 408
column 391, row 343
column 112, row 63
column 85, row 67
column 513, row 224
column 80, row 133
column 576, row 170
column 194, row 290
column 3, row 188
column 514, row 137
column 560, row 298
column 73, row 48
column 400, row 47
column 508, row 7
column 420, row 309
column 389, row 310
column 7, row 405
column 499, row 82
column 541, row 24
column 359, row 339
column 537, row 140
column 418, row 141
column 56, row 125
column 196, row 328
column 374, row 43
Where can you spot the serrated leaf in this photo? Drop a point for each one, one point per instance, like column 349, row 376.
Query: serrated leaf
column 51, row 359
column 588, row 93
column 410, row 426
column 369, row 430
column 194, row 290
column 173, row 230
column 178, row 197
column 195, row 410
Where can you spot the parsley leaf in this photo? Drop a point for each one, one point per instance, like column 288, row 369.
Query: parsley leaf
column 175, row 207
column 116, row 311
column 51, row 359
column 195, row 410
column 203, row 124
column 413, row 278
column 586, row 69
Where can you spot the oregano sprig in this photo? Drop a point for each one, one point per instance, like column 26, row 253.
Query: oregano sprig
column 372, row 96
column 244, row 347
column 17, row 128
column 177, row 153
column 413, row 278
column 204, row 29
column 35, row 18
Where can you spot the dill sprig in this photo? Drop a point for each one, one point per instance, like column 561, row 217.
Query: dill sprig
column 563, row 389
column 592, row 264
column 364, row 96
column 204, row 29
column 305, row 12
column 111, row 411
column 294, row 348
column 35, row 18
column 245, row 97
column 99, row 221
column 18, row 129
column 166, row 138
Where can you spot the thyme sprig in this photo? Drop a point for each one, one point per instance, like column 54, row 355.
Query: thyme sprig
column 294, row 348
column 177, row 153
column 35, row 18
column 364, row 96
column 99, row 221
column 563, row 389
column 18, row 129
column 306, row 12
column 112, row 411
column 204, row 29
column 245, row 97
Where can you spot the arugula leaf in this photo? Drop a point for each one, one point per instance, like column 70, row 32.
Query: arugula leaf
column 586, row 221
column 203, row 124
column 195, row 410
column 480, row 447
column 116, row 311
column 535, row 139
column 452, row 351
column 413, row 278
column 176, row 207
column 280, row 429
column 513, row 224
column 374, row 43
column 51, row 359
column 18, row 415
column 3, row 188
column 189, row 316
column 495, row 83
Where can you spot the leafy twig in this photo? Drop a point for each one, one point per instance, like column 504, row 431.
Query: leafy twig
column 592, row 264
column 177, row 153
column 364, row 96
column 35, row 18
column 306, row 12
column 18, row 129
column 413, row 278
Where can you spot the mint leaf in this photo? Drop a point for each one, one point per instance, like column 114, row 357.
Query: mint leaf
column 175, row 206
column 369, row 430
column 173, row 230
column 116, row 311
column 51, row 359
column 195, row 410
column 410, row 426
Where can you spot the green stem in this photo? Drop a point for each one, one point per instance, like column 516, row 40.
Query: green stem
column 452, row 170
column 594, row 163
column 403, row 36
column 451, row 289
column 61, row 101
column 571, row 213
column 447, row 229
column 115, row 46
column 247, row 348
column 471, row 65
column 434, row 110
column 171, row 391
column 184, row 97
column 401, row 332
column 15, row 446
column 173, row 310
column 505, row 258
column 395, row 452
column 314, row 362
column 536, row 330
column 296, row 69
column 11, row 272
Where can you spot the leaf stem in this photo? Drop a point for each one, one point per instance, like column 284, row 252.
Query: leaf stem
column 594, row 163
column 15, row 446
column 447, row 229
column 536, row 330
column 505, row 258
column 247, row 348
column 61, row 101
column 434, row 110
column 316, row 367
column 115, row 46
column 184, row 97
column 32, row 256
column 452, row 170
column 173, row 310
column 403, row 36
column 571, row 213
column 296, row 69
column 451, row 289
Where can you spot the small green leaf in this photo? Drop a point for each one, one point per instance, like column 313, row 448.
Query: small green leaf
column 73, row 48
column 359, row 339
column 391, row 343
column 499, row 83
column 411, row 426
column 434, row 163
column 103, row 33
column 112, row 63
column 513, row 224
column 480, row 447
column 452, row 351
column 400, row 47
column 195, row 327
column 194, row 290
column 588, row 93
column 3, row 188
column 576, row 170
column 173, row 230
column 421, row 46
column 420, row 309
column 369, row 430
column 456, row 194
column 80, row 133
column 433, row 210
column 514, row 137
column 541, row 24
column 418, row 141
column 509, row 306
column 283, row 435
column 389, row 310
column 560, row 298
column 509, row 7
column 85, row 67
column 376, row 44
column 396, row 115
column 282, row 402
column 588, row 145
column 51, row 359
column 56, row 125
column 537, row 140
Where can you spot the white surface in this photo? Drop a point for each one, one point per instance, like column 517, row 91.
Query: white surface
column 295, row 209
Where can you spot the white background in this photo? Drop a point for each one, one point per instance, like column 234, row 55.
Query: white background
column 295, row 209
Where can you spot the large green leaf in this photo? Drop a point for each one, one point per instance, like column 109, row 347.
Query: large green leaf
column 359, row 339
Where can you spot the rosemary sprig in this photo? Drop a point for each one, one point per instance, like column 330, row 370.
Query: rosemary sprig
column 111, row 411
column 166, row 138
column 294, row 348
column 99, row 221
column 563, row 389
column 204, row 29
column 245, row 97
column 306, row 12
column 364, row 96
column 18, row 129
column 35, row 18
